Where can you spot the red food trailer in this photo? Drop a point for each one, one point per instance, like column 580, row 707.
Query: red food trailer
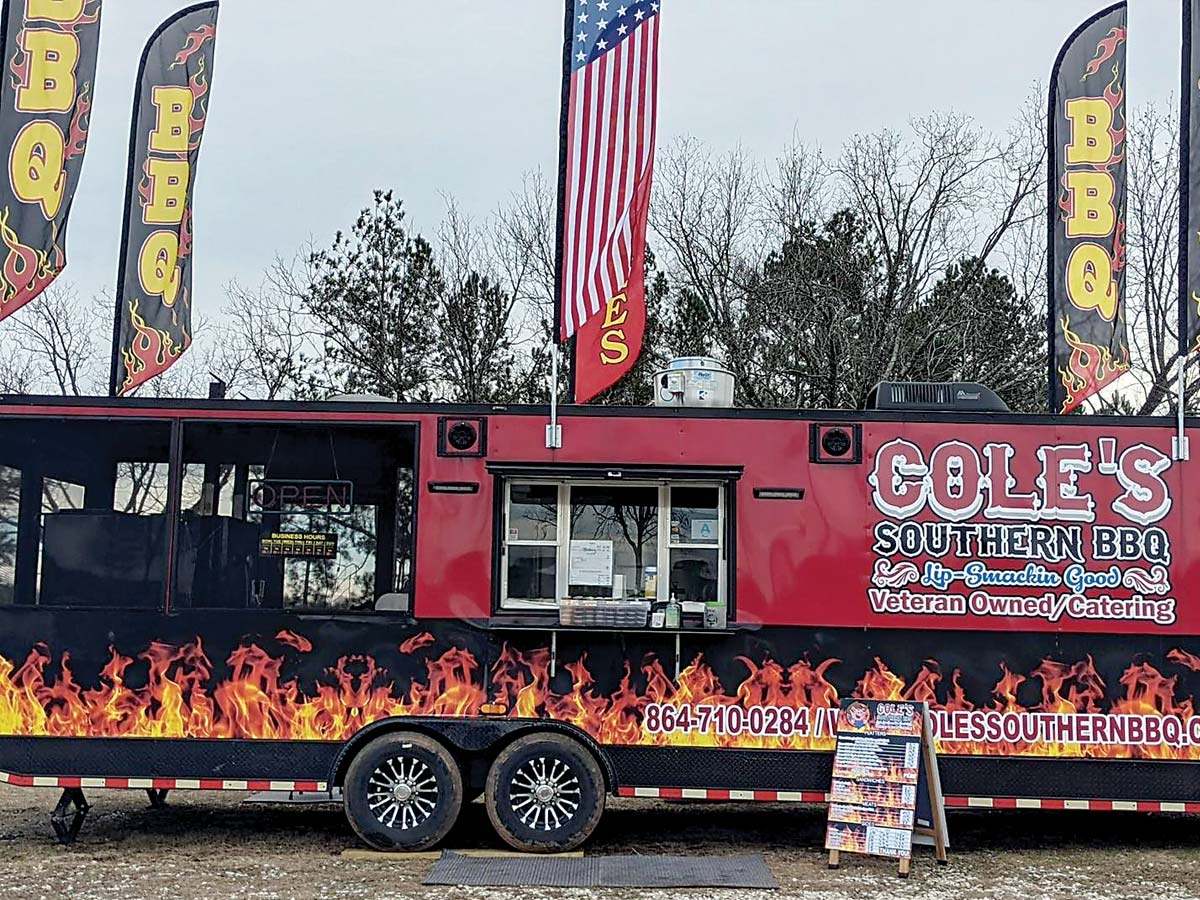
column 422, row 604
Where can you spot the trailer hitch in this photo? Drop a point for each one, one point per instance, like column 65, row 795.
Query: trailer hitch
column 66, row 820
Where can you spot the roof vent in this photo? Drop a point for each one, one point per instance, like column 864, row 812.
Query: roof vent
column 950, row 396
column 361, row 398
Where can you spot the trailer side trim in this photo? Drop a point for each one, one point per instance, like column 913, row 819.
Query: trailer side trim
column 653, row 793
column 164, row 784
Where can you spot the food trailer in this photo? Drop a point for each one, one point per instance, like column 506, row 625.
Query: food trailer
column 419, row 605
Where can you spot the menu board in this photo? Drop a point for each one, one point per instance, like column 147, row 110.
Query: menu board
column 876, row 770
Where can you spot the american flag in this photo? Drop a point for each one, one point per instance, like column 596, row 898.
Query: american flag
column 609, row 151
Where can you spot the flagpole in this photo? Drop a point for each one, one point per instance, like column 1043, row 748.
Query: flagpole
column 1180, row 443
column 563, row 121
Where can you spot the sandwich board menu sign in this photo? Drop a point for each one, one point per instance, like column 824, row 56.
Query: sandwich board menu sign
column 885, row 782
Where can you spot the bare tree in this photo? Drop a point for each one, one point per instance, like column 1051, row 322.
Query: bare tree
column 267, row 345
column 1152, row 257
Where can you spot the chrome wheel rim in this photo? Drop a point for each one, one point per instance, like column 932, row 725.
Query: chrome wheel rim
column 402, row 792
column 545, row 794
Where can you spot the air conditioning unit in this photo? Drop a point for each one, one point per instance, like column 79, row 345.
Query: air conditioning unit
column 949, row 396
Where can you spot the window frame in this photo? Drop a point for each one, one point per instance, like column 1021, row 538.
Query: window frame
column 725, row 484
column 324, row 612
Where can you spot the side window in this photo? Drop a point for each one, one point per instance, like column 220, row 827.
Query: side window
column 695, row 545
column 10, row 510
column 295, row 517
column 101, row 536
column 531, row 545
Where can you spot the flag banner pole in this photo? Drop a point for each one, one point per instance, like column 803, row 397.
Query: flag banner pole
column 1179, row 445
column 1188, row 325
column 1087, row 341
column 609, row 129
column 50, row 52
column 152, row 325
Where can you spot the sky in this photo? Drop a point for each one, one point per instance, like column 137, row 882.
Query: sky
column 315, row 104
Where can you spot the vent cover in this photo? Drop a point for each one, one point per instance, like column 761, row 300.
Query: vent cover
column 949, row 396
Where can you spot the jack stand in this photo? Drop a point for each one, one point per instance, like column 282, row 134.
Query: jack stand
column 65, row 821
column 158, row 797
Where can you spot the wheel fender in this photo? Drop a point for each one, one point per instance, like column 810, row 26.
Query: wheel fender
column 471, row 737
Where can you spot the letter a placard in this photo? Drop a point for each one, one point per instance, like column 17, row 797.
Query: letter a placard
column 886, row 790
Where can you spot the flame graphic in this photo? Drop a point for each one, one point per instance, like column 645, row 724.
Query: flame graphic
column 198, row 85
column 1114, row 96
column 1104, row 51
column 847, row 838
column 77, row 142
column 19, row 66
column 174, row 694
column 151, row 351
column 145, row 186
column 26, row 272
column 194, row 43
column 185, row 236
column 1118, row 254
column 1089, row 369
column 1066, row 204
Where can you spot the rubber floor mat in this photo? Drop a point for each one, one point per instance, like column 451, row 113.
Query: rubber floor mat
column 604, row 871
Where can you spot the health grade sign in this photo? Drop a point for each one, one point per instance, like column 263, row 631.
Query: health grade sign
column 1070, row 536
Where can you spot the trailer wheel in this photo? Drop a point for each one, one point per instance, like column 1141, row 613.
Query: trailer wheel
column 403, row 792
column 545, row 794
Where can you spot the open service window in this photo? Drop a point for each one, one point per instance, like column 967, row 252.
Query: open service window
column 300, row 516
column 626, row 539
column 84, row 512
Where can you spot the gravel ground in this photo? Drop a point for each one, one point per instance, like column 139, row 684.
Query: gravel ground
column 207, row 845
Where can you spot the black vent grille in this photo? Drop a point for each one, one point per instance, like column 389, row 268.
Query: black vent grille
column 933, row 395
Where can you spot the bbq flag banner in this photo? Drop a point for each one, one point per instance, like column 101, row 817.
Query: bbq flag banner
column 50, row 50
column 609, row 106
column 154, row 305
column 1088, row 344
column 1189, row 187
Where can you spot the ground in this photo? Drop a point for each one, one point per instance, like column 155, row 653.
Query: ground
column 208, row 845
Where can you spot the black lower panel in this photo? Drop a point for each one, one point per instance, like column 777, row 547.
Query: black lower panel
column 1070, row 779
column 153, row 758
column 683, row 767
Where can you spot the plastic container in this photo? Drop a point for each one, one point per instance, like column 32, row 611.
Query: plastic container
column 591, row 612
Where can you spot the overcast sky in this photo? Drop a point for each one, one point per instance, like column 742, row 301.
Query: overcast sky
column 317, row 102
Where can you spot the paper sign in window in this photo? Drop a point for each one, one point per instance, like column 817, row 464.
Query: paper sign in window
column 592, row 563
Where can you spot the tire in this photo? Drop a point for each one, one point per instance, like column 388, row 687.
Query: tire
column 545, row 794
column 403, row 791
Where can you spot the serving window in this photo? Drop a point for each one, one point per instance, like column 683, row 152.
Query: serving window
column 584, row 539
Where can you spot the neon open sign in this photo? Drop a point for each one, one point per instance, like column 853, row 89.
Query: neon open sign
column 291, row 496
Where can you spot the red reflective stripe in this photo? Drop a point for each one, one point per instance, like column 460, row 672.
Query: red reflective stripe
column 671, row 793
column 258, row 785
column 212, row 784
column 116, row 782
column 306, row 786
column 766, row 796
column 163, row 784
